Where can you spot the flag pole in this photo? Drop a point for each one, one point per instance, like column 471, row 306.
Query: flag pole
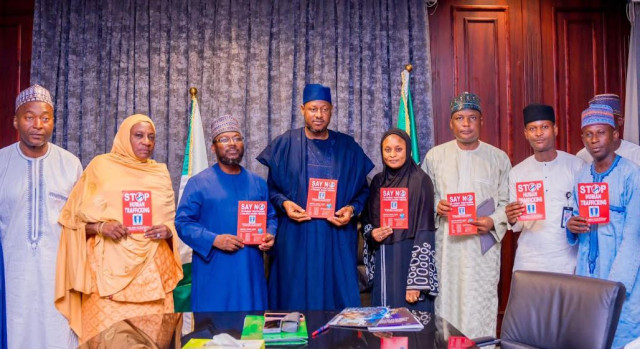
column 193, row 92
column 406, row 120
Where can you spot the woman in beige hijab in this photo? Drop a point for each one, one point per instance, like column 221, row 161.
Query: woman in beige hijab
column 118, row 259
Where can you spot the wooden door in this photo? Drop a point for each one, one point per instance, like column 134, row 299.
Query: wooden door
column 584, row 50
column 16, row 27
column 473, row 50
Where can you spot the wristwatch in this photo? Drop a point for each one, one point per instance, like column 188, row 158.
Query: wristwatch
column 353, row 210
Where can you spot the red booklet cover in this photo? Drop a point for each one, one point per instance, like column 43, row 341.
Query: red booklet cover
column 394, row 342
column 136, row 210
column 531, row 194
column 458, row 342
column 252, row 221
column 463, row 211
column 394, row 208
column 593, row 202
column 321, row 197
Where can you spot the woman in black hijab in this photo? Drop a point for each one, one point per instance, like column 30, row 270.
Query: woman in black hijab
column 401, row 262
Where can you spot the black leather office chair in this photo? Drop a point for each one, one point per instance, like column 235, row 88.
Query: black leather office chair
column 549, row 310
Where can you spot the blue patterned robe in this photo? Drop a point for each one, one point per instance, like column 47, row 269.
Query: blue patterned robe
column 615, row 246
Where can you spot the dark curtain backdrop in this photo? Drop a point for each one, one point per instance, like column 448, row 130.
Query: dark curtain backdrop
column 103, row 60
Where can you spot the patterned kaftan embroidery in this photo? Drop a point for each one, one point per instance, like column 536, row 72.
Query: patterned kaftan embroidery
column 422, row 269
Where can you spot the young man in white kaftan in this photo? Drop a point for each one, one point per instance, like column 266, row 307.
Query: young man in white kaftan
column 468, row 296
column 542, row 244
column 610, row 250
column 626, row 149
column 35, row 179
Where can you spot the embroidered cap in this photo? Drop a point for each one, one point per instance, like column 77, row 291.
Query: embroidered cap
column 598, row 114
column 610, row 99
column 316, row 92
column 225, row 123
column 465, row 101
column 34, row 93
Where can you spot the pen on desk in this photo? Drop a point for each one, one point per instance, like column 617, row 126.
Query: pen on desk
column 320, row 330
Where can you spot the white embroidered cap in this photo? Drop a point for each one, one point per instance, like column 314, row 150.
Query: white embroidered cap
column 34, row 93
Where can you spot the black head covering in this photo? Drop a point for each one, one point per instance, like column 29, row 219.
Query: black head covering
column 537, row 112
column 421, row 195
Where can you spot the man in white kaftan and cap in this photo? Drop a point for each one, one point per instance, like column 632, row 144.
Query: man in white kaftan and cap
column 542, row 245
column 469, row 266
column 621, row 147
column 35, row 179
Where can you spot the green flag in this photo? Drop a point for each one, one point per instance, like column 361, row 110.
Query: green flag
column 406, row 121
column 195, row 161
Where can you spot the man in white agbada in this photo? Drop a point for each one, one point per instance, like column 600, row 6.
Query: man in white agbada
column 542, row 244
column 468, row 296
column 623, row 148
column 35, row 178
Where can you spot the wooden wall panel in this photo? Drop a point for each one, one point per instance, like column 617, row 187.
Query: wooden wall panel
column 580, row 60
column 10, row 72
column 584, row 45
column 483, row 31
column 16, row 27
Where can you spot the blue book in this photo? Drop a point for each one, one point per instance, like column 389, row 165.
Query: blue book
column 358, row 318
column 398, row 319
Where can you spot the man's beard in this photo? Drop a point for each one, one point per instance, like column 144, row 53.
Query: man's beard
column 230, row 162
column 314, row 131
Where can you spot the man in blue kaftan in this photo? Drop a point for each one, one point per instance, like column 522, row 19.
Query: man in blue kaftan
column 610, row 250
column 227, row 274
column 314, row 262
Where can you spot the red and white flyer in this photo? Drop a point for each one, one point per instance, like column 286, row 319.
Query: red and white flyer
column 136, row 210
column 321, row 197
column 463, row 211
column 531, row 194
column 394, row 342
column 458, row 342
column 593, row 202
column 252, row 221
column 394, row 208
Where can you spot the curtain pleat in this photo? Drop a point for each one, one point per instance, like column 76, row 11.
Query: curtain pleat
column 105, row 60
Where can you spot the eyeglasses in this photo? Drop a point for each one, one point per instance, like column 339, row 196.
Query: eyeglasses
column 227, row 140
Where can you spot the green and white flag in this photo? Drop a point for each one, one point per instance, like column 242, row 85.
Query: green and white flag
column 195, row 161
column 406, row 121
column 195, row 153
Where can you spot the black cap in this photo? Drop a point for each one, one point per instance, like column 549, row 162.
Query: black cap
column 537, row 112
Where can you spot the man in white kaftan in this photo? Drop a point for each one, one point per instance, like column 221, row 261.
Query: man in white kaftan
column 623, row 148
column 35, row 179
column 468, row 296
column 542, row 245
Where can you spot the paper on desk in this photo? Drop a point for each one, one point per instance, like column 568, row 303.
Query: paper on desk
column 195, row 343
column 486, row 208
